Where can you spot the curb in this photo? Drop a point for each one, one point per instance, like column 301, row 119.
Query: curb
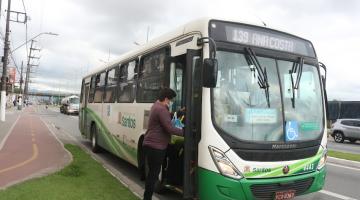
column 348, row 163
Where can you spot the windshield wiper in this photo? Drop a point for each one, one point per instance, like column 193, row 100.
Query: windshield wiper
column 296, row 70
column 262, row 74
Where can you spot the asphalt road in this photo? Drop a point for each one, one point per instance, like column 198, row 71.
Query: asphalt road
column 344, row 147
column 341, row 183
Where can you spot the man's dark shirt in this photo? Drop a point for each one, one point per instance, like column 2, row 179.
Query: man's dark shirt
column 160, row 128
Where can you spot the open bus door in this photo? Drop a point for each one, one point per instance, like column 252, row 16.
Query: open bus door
column 84, row 102
column 185, row 79
column 193, row 94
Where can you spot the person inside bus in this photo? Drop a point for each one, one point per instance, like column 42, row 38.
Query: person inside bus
column 158, row 137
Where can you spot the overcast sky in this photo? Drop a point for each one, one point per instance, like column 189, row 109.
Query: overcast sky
column 92, row 32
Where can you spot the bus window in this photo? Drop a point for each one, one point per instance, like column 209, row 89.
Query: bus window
column 82, row 91
column 176, row 83
column 111, row 82
column 152, row 77
column 127, row 85
column 99, row 88
column 92, row 89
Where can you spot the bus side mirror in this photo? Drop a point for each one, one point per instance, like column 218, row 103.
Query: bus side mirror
column 210, row 71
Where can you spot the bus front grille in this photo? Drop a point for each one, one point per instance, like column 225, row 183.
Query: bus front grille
column 267, row 191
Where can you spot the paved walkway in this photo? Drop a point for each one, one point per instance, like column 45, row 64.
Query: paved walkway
column 29, row 150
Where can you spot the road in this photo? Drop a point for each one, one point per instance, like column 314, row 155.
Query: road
column 344, row 147
column 341, row 182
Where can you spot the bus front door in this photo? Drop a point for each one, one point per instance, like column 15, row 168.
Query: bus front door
column 193, row 94
column 83, row 113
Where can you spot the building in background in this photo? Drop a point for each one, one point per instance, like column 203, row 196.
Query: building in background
column 10, row 81
column 343, row 109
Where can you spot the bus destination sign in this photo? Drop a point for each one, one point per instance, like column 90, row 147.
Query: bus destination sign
column 260, row 37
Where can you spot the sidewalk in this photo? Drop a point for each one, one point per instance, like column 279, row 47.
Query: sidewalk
column 28, row 149
column 11, row 116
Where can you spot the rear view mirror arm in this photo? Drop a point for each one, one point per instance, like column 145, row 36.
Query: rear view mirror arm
column 203, row 40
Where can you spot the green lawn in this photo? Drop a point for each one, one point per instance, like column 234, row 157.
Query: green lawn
column 84, row 179
column 346, row 156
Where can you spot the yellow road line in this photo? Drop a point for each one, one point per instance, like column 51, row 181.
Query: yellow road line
column 33, row 157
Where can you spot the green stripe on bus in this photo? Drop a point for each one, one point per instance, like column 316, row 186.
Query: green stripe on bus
column 300, row 167
column 113, row 144
column 214, row 186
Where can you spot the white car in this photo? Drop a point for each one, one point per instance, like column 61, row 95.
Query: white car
column 346, row 129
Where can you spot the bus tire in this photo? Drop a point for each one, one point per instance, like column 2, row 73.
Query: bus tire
column 94, row 139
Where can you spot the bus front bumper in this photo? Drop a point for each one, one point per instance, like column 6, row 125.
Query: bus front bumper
column 214, row 186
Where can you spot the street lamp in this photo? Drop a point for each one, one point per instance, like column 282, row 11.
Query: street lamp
column 47, row 33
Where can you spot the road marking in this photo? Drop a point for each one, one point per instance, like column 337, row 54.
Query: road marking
column 7, row 135
column 33, row 157
column 342, row 166
column 339, row 196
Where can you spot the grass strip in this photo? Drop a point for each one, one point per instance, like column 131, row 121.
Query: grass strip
column 343, row 155
column 84, row 179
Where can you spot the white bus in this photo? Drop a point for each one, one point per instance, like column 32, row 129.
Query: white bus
column 255, row 110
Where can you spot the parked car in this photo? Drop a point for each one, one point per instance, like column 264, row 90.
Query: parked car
column 346, row 129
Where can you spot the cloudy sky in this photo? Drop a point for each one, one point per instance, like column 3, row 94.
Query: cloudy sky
column 92, row 32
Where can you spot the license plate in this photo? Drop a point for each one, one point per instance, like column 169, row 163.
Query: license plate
column 290, row 194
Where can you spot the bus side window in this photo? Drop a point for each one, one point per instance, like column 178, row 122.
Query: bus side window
column 126, row 86
column 82, row 91
column 92, row 89
column 152, row 76
column 111, row 82
column 99, row 87
column 176, row 83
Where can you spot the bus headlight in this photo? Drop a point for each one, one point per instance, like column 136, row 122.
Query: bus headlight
column 223, row 163
column 322, row 161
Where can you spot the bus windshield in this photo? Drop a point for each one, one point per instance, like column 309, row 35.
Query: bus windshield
column 242, row 109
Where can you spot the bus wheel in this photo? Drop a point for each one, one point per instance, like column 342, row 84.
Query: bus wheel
column 339, row 137
column 94, row 139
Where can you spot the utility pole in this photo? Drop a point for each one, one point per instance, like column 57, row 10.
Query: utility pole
column 20, row 98
column 21, row 77
column 28, row 68
column 0, row 7
column 5, row 62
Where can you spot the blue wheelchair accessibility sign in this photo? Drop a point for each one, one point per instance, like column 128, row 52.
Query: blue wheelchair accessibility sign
column 292, row 131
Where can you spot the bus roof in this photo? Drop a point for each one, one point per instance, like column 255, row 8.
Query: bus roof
column 196, row 26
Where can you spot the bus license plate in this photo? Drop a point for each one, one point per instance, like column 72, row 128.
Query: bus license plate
column 290, row 194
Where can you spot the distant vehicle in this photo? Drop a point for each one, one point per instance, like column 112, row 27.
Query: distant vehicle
column 346, row 129
column 70, row 105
